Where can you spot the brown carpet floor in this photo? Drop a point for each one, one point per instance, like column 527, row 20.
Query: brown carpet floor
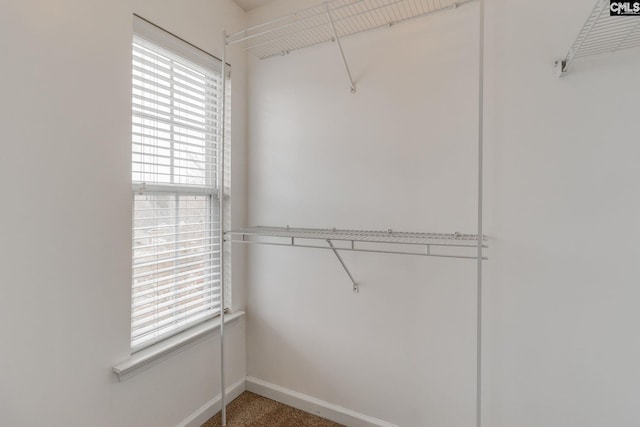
column 251, row 410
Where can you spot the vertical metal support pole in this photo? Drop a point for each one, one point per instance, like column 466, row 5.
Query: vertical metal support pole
column 221, row 139
column 344, row 59
column 480, row 232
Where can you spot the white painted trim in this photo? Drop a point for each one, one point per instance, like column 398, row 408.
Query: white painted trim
column 312, row 405
column 144, row 358
column 212, row 407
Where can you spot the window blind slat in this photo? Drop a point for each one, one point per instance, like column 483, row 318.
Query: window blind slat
column 140, row 53
column 176, row 258
column 170, row 243
column 175, row 299
column 148, row 214
column 150, row 130
column 161, row 274
column 172, row 268
column 149, row 313
column 160, row 108
column 151, row 336
column 173, row 88
column 176, row 110
column 140, row 139
column 156, row 57
column 163, row 319
column 152, row 227
column 204, row 128
column 182, row 167
column 157, row 104
column 179, row 167
column 164, row 282
column 172, row 80
column 162, row 254
column 201, row 161
column 209, row 158
column 148, row 93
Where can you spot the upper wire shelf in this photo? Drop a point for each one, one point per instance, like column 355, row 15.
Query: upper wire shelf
column 314, row 25
column 603, row 33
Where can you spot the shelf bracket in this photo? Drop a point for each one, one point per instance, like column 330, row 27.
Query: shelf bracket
column 356, row 288
column 561, row 67
column 337, row 40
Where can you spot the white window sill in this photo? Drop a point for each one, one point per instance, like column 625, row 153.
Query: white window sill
column 143, row 358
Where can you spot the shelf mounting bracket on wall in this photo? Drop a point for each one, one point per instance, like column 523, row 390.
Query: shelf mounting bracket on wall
column 356, row 288
column 344, row 59
column 451, row 245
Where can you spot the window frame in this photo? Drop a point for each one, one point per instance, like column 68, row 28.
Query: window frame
column 166, row 41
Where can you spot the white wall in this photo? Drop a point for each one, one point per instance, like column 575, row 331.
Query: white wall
column 561, row 186
column 399, row 154
column 562, row 345
column 65, row 216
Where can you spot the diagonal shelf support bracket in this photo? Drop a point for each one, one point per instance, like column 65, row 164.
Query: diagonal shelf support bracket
column 337, row 40
column 356, row 288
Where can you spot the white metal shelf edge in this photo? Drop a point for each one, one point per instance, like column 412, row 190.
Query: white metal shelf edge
column 330, row 21
column 450, row 245
column 443, row 245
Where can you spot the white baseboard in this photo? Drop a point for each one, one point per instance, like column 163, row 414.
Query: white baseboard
column 213, row 406
column 312, row 405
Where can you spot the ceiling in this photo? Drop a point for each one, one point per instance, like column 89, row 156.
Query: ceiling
column 251, row 4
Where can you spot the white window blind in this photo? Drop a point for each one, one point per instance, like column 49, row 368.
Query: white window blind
column 176, row 228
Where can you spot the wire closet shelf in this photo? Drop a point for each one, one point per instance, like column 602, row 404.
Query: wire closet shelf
column 329, row 21
column 451, row 245
column 602, row 33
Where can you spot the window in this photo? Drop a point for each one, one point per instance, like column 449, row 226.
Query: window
column 176, row 252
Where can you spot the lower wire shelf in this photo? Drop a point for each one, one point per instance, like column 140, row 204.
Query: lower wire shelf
column 451, row 245
column 446, row 245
